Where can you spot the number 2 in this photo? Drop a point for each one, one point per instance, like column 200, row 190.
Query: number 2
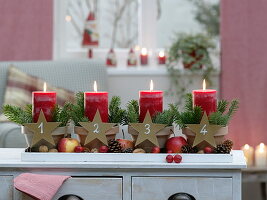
column 147, row 126
column 96, row 128
column 41, row 126
column 204, row 130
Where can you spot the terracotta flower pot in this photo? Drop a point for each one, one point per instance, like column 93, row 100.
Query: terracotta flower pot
column 57, row 134
column 82, row 133
column 219, row 137
column 162, row 136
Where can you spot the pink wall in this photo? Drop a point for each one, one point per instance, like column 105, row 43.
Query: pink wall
column 244, row 67
column 26, row 29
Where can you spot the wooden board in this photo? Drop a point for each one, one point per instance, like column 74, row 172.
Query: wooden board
column 123, row 157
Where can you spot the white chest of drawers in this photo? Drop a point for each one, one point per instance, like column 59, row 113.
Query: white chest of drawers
column 128, row 181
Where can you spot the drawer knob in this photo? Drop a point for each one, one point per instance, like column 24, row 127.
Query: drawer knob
column 181, row 196
column 70, row 197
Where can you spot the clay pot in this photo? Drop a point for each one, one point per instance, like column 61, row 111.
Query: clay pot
column 219, row 137
column 82, row 133
column 57, row 134
column 162, row 136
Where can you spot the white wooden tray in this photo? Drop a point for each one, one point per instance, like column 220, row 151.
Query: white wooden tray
column 123, row 157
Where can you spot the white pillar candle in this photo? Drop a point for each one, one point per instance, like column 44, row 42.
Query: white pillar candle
column 261, row 155
column 248, row 153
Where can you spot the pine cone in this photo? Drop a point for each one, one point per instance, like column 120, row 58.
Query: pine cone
column 222, row 149
column 114, row 146
column 189, row 149
column 128, row 150
column 228, row 144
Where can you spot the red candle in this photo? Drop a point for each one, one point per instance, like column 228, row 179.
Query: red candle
column 161, row 58
column 151, row 101
column 94, row 101
column 144, row 57
column 206, row 99
column 45, row 101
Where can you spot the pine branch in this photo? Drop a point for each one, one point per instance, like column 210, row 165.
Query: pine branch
column 222, row 106
column 232, row 109
column 189, row 102
column 217, row 118
column 80, row 100
column 132, row 113
column 116, row 113
column 17, row 114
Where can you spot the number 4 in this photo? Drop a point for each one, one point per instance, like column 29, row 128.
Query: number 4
column 204, row 130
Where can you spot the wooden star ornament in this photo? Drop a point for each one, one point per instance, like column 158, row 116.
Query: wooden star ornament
column 96, row 129
column 204, row 131
column 147, row 130
column 42, row 130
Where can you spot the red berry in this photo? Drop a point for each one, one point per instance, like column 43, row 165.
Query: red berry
column 208, row 150
column 155, row 150
column 169, row 151
column 79, row 149
column 103, row 149
column 169, row 158
column 177, row 158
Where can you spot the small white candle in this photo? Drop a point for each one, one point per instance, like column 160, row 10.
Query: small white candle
column 248, row 153
column 261, row 155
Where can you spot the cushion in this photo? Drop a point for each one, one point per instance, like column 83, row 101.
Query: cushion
column 20, row 86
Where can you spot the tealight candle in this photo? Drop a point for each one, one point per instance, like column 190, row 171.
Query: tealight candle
column 261, row 155
column 248, row 153
column 144, row 57
column 161, row 58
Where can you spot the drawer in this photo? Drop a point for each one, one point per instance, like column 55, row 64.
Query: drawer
column 161, row 188
column 90, row 189
column 6, row 187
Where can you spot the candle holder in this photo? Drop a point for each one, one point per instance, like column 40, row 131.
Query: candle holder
column 162, row 136
column 82, row 134
column 219, row 137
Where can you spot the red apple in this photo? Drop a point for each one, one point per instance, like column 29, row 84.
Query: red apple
column 79, row 149
column 125, row 144
column 103, row 149
column 175, row 144
column 208, row 150
column 177, row 158
column 155, row 150
column 67, row 145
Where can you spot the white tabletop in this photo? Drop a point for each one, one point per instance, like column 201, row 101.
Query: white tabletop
column 11, row 158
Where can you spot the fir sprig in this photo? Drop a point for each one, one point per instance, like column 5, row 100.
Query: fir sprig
column 167, row 116
column 17, row 114
column 132, row 112
column 116, row 113
column 222, row 106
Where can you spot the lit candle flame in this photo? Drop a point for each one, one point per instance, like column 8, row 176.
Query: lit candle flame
column 44, row 86
column 246, row 147
column 95, row 86
column 161, row 54
column 144, row 51
column 151, row 85
column 204, row 84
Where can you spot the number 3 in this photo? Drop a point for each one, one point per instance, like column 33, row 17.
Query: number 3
column 204, row 130
column 147, row 126
column 96, row 128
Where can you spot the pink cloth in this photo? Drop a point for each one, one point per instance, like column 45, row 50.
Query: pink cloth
column 244, row 67
column 42, row 187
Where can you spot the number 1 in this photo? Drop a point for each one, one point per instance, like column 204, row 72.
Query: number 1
column 41, row 126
